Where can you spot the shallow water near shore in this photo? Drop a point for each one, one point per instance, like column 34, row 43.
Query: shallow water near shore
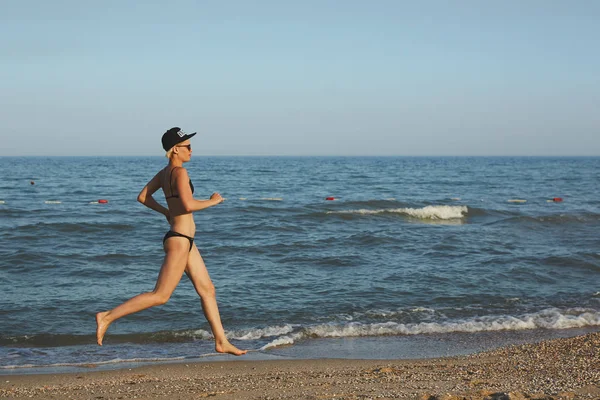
column 413, row 252
column 356, row 348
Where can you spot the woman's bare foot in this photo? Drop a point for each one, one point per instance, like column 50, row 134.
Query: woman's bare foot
column 229, row 348
column 101, row 326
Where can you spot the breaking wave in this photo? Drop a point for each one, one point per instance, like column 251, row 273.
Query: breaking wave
column 546, row 319
column 428, row 212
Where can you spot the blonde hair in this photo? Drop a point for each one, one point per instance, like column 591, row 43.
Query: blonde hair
column 169, row 153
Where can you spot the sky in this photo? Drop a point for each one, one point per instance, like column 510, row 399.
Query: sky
column 295, row 78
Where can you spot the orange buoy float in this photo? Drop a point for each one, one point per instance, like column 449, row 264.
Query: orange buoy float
column 329, row 198
column 102, row 201
column 557, row 199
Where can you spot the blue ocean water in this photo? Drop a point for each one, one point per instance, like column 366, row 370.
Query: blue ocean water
column 410, row 249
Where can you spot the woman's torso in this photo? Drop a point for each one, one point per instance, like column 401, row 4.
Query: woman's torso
column 181, row 221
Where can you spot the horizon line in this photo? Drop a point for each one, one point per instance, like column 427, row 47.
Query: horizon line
column 317, row 155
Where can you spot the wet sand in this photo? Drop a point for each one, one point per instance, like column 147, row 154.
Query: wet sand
column 553, row 369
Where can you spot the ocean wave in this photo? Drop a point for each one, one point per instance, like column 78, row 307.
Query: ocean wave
column 185, row 335
column 546, row 319
column 59, row 340
column 188, row 335
column 259, row 333
column 344, row 327
column 439, row 212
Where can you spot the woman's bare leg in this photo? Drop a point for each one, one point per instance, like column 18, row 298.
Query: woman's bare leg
column 196, row 271
column 170, row 274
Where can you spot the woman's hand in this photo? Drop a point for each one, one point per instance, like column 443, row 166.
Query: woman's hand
column 217, row 197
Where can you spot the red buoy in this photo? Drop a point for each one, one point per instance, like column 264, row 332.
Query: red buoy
column 329, row 198
column 557, row 199
column 102, row 201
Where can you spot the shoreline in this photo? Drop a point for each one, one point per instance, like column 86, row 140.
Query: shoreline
column 564, row 368
column 408, row 347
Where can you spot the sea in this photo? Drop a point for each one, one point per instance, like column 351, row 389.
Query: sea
column 311, row 257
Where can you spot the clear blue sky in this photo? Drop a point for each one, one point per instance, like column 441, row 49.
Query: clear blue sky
column 301, row 77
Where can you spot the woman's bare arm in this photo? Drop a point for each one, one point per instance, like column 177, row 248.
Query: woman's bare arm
column 145, row 196
column 187, row 198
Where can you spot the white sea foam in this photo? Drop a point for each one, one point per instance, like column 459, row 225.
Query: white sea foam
column 546, row 319
column 285, row 340
column 195, row 334
column 423, row 309
column 253, row 334
column 429, row 212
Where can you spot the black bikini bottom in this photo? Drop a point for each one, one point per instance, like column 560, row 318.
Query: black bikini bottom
column 177, row 234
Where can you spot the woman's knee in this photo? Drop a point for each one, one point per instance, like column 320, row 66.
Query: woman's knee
column 161, row 298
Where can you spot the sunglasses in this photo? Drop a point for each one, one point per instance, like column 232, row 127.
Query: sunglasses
column 189, row 146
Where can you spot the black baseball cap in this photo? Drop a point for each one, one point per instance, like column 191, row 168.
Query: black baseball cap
column 173, row 136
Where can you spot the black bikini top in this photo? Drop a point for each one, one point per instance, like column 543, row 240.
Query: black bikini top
column 171, row 186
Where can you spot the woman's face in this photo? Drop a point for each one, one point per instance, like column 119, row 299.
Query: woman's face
column 184, row 150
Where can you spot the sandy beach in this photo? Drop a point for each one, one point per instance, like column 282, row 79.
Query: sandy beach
column 554, row 369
